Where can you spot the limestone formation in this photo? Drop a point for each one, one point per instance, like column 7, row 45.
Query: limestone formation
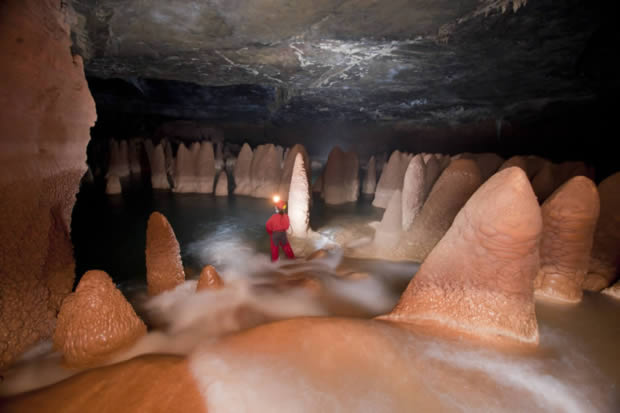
column 534, row 165
column 242, row 171
column 451, row 191
column 95, row 321
column 299, row 199
column 209, row 279
column 478, row 279
column 113, row 185
column 543, row 182
column 164, row 269
column 265, row 171
column 222, row 184
column 170, row 160
column 605, row 262
column 219, row 157
column 569, row 219
column 432, row 172
column 159, row 177
column 613, row 291
column 317, row 186
column 185, row 176
column 340, row 178
column 518, row 161
column 390, row 228
column 206, row 169
column 413, row 190
column 488, row 163
column 370, row 180
column 391, row 179
column 47, row 112
column 133, row 154
column 566, row 170
column 287, row 168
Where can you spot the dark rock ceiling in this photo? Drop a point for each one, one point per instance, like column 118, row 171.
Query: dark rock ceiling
column 417, row 62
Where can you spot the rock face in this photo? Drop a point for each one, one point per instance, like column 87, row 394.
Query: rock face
column 543, row 182
column 569, row 220
column 164, row 269
column 206, row 169
column 46, row 118
column 134, row 148
column 209, row 279
column 185, row 177
column 287, row 169
column 370, row 180
column 451, row 191
column 95, row 321
column 413, row 190
column 518, row 161
column 119, row 159
column 605, row 261
column 488, row 163
column 613, row 291
column 478, row 279
column 265, row 171
column 242, row 171
column 113, row 185
column 222, row 184
column 391, row 179
column 341, row 177
column 389, row 230
column 159, row 177
column 432, row 172
column 317, row 186
column 299, row 199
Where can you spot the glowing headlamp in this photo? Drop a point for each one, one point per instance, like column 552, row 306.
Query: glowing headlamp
column 276, row 199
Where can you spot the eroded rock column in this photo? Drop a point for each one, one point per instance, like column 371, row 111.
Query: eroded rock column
column 299, row 199
column 164, row 268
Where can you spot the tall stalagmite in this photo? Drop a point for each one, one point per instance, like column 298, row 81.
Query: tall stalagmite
column 164, row 269
column 242, row 171
column 222, row 184
column 341, row 177
column 266, row 171
column 370, row 180
column 389, row 230
column 478, row 279
column 159, row 177
column 46, row 115
column 604, row 265
column 206, row 169
column 413, row 190
column 287, row 169
column 391, row 179
column 299, row 199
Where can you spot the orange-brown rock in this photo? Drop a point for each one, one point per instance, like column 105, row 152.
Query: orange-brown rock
column 209, row 279
column 164, row 269
column 518, row 161
column 95, row 321
column 605, row 262
column 46, row 115
column 478, row 280
column 488, row 163
column 317, row 255
column 569, row 220
column 543, row 182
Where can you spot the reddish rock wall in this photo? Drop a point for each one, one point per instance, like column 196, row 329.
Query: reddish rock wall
column 47, row 111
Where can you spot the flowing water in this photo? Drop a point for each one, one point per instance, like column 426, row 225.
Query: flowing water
column 576, row 368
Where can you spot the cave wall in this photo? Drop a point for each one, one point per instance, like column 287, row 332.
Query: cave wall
column 47, row 112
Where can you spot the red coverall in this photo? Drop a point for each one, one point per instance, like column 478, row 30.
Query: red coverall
column 276, row 228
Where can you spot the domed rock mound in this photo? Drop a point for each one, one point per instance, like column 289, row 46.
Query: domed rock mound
column 478, row 280
column 95, row 321
column 164, row 269
column 209, row 279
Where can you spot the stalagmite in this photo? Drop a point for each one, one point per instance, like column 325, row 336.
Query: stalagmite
column 534, row 165
column 218, row 162
column 569, row 219
column 185, row 177
column 518, row 161
column 317, row 186
column 451, row 191
column 389, row 230
column 159, row 177
column 488, row 163
column 543, row 182
column 265, row 171
column 222, row 184
column 566, row 170
column 613, row 291
column 391, row 179
column 605, row 261
column 243, row 170
column 113, row 185
column 432, row 172
column 118, row 162
column 206, row 169
column 370, row 181
column 287, row 169
column 478, row 280
column 164, row 269
column 340, row 178
column 95, row 322
column 209, row 279
column 133, row 154
column 299, row 199
column 413, row 190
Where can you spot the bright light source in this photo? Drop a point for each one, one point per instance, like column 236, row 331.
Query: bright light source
column 276, row 198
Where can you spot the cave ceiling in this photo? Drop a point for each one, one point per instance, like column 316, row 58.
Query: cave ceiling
column 412, row 61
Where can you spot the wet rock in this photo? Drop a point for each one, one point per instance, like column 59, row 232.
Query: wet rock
column 391, row 179
column 340, row 178
column 605, row 262
column 299, row 199
column 370, row 180
column 113, row 185
column 265, row 171
column 543, row 182
column 164, row 269
column 222, row 184
column 159, row 176
column 206, row 169
column 209, row 279
column 95, row 321
column 432, row 172
column 243, row 165
column 478, row 279
column 413, row 190
column 488, row 163
column 569, row 220
column 390, row 228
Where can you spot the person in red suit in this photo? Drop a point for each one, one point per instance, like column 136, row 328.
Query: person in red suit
column 276, row 228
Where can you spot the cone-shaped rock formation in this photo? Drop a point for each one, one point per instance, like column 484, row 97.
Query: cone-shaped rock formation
column 209, row 279
column 164, row 269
